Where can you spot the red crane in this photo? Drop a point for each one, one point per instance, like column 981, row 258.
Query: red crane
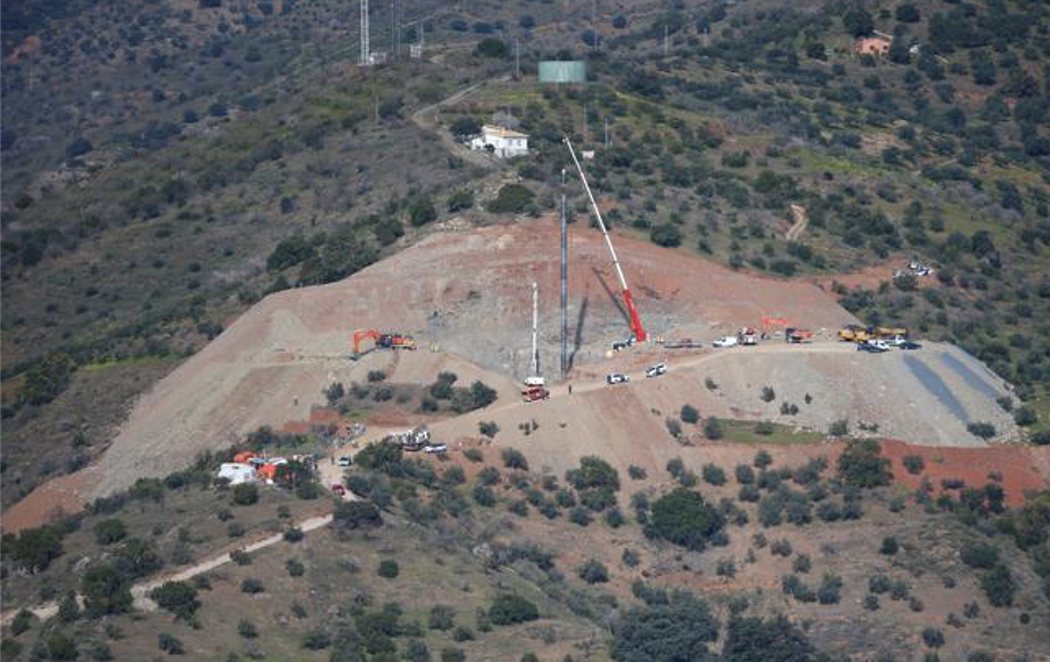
column 636, row 321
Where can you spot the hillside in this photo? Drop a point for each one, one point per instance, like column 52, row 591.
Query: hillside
column 202, row 200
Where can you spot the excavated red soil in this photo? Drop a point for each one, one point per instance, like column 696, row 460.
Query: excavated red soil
column 1022, row 469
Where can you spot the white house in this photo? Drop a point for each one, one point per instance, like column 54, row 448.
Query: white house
column 237, row 473
column 502, row 142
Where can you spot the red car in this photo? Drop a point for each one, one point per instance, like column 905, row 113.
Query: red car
column 535, row 393
column 338, row 489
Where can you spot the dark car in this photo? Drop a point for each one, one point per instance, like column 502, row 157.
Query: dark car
column 865, row 347
column 910, row 344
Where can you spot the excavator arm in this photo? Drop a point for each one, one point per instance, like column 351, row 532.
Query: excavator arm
column 364, row 334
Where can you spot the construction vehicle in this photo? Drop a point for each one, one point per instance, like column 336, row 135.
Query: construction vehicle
column 889, row 332
column 638, row 333
column 535, row 393
column 410, row 440
column 797, row 336
column 390, row 340
column 747, row 336
column 854, row 333
column 684, row 343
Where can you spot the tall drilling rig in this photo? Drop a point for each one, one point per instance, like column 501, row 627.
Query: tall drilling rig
column 638, row 333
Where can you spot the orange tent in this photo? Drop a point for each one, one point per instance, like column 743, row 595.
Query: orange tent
column 267, row 472
column 243, row 457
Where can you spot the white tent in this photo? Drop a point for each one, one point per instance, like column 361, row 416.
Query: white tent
column 237, row 473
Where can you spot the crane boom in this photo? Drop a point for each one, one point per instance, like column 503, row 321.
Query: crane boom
column 636, row 321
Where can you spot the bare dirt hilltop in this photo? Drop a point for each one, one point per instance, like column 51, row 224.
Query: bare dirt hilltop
column 465, row 294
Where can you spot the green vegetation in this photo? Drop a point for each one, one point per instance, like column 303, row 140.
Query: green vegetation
column 862, row 465
column 684, row 518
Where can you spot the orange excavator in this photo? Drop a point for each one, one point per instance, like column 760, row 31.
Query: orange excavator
column 390, row 340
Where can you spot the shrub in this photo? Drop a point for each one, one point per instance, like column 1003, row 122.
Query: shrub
column 713, row 474
column 636, row 472
column 762, row 459
column 781, row 547
column 109, row 531
column 179, row 598
column 684, row 518
column 666, row 234
column 933, row 638
column 580, row 515
column 294, row 534
column 252, row 586
column 510, row 609
column 34, row 549
column 247, row 629
column 745, row 475
column 768, row 394
column 317, row 639
column 889, row 546
column 170, row 644
column 861, row 464
column 979, row 555
column 245, row 494
column 914, row 464
column 488, row 428
column 105, row 590
column 511, row 199
column 388, row 569
column 999, row 585
column 871, row 602
column 981, row 429
column 802, row 564
column 474, row 455
column 830, row 589
column 839, row 428
column 713, row 429
column 514, row 459
column 462, row 199
column 665, row 631
column 442, row 617
column 492, row 47
column 593, row 572
column 689, row 414
column 350, row 515
column 295, row 568
column 240, row 557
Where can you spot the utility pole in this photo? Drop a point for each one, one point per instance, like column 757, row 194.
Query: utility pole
column 564, row 283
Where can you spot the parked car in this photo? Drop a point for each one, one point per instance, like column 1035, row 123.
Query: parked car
column 338, row 489
column 535, row 393
column 727, row 341
column 435, row 448
column 873, row 346
column 623, row 344
column 617, row 378
column 345, row 461
column 910, row 344
column 656, row 370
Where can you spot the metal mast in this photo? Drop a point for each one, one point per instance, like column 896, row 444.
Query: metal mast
column 564, row 284
column 365, row 51
column 535, row 326
column 636, row 321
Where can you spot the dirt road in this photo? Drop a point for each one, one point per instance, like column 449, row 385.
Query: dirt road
column 427, row 118
column 140, row 592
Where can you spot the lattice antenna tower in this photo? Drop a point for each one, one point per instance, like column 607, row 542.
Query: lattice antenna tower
column 365, row 50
